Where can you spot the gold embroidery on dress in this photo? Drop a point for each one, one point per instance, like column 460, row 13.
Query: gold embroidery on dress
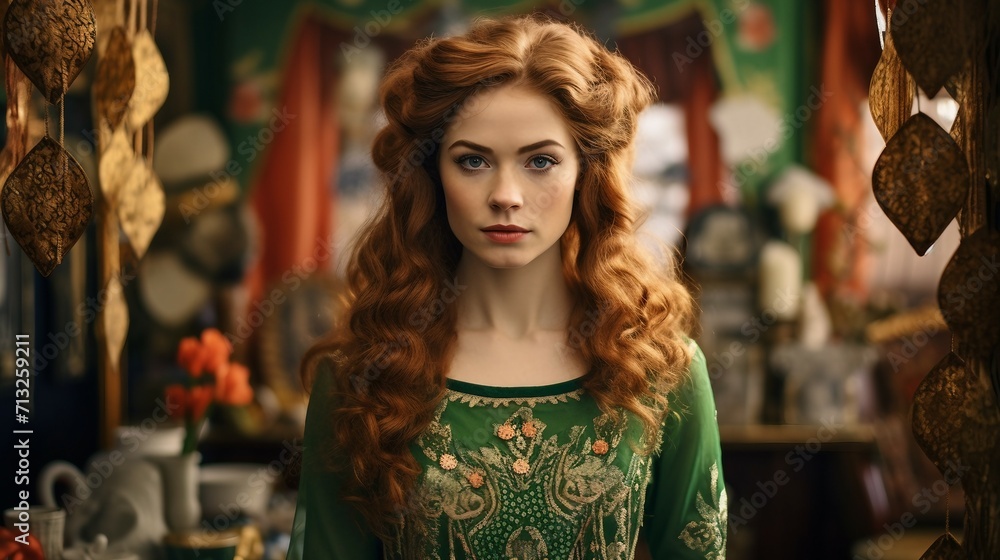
column 707, row 535
column 527, row 544
column 496, row 402
column 591, row 506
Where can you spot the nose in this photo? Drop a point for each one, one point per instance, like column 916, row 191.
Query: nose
column 506, row 192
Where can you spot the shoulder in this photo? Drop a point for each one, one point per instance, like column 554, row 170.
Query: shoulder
column 320, row 369
column 697, row 381
column 692, row 381
column 323, row 400
column 692, row 400
column 695, row 378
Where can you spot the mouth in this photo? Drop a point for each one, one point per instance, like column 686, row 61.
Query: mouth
column 506, row 229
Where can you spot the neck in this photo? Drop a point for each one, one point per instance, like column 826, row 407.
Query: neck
column 515, row 302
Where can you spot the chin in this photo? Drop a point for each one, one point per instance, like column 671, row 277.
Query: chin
column 502, row 261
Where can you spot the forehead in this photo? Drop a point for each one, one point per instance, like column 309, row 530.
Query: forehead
column 508, row 116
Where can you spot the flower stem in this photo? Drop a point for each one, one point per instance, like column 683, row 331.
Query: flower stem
column 192, row 429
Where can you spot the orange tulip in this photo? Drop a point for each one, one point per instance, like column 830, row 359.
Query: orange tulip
column 217, row 349
column 190, row 404
column 199, row 399
column 176, row 400
column 232, row 385
column 191, row 356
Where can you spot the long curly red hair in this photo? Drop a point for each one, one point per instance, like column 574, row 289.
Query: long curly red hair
column 390, row 362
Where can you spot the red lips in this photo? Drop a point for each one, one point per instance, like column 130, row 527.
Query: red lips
column 500, row 227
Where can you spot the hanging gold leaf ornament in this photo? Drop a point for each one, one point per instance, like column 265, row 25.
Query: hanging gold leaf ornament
column 115, row 79
column 152, row 82
column 921, row 181
column 930, row 40
column 945, row 548
column 47, row 204
column 115, row 320
column 117, row 165
column 140, row 207
column 890, row 97
column 969, row 293
column 939, row 405
column 50, row 41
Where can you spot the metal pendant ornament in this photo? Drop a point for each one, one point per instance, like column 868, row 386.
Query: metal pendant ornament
column 944, row 548
column 115, row 319
column 47, row 204
column 939, row 405
column 140, row 207
column 117, row 164
column 891, row 92
column 921, row 181
column 930, row 40
column 50, row 41
column 115, row 81
column 969, row 293
column 152, row 83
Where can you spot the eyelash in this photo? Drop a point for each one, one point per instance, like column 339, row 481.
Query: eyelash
column 461, row 163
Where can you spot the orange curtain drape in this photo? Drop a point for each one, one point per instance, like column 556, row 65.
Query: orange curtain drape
column 291, row 192
column 850, row 52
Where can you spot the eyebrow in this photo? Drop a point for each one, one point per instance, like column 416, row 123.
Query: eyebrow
column 521, row 150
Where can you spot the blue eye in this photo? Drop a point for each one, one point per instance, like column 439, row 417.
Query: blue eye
column 471, row 162
column 542, row 163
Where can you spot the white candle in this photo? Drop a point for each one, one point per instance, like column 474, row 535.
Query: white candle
column 780, row 281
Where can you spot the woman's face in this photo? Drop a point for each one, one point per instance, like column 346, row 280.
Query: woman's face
column 509, row 162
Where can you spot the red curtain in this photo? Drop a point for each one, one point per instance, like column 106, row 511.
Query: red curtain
column 850, row 52
column 692, row 84
column 291, row 191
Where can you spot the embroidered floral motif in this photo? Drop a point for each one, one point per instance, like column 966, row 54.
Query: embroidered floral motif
column 505, row 432
column 587, row 483
column 600, row 447
column 502, row 488
column 448, row 462
column 529, row 430
column 707, row 535
column 475, row 479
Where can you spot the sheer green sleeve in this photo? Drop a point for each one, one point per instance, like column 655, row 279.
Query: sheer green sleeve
column 686, row 511
column 325, row 526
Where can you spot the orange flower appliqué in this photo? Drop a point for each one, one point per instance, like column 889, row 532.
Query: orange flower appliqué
column 448, row 462
column 529, row 430
column 521, row 466
column 600, row 447
column 505, row 432
column 475, row 479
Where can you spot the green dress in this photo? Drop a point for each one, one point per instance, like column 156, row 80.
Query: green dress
column 535, row 473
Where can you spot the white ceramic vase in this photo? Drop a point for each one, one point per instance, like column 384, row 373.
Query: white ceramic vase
column 182, row 510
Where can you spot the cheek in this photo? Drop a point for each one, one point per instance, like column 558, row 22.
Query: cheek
column 457, row 205
column 564, row 190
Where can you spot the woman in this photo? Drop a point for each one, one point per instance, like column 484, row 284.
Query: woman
column 512, row 376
